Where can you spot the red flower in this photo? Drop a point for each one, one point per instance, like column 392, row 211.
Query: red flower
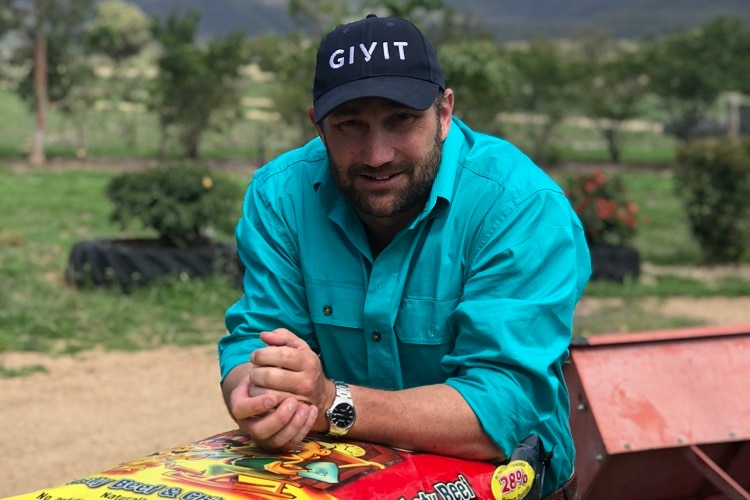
column 601, row 204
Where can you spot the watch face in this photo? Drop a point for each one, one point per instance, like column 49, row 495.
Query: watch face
column 342, row 415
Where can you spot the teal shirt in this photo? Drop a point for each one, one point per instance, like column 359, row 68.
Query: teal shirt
column 478, row 292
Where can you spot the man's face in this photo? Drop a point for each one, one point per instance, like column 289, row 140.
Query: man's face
column 384, row 156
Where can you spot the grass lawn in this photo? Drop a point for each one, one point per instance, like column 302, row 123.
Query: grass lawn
column 44, row 212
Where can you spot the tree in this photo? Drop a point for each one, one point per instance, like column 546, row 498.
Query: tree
column 9, row 16
column 439, row 22
column 9, row 21
column 550, row 83
column 408, row 9
column 318, row 17
column 615, row 96
column 197, row 88
column 689, row 69
column 51, row 38
column 37, row 154
column 291, row 59
column 119, row 32
column 482, row 79
column 616, row 84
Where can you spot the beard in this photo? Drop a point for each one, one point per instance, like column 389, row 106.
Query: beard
column 420, row 178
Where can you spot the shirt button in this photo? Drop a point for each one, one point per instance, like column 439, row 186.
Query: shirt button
column 327, row 310
column 376, row 336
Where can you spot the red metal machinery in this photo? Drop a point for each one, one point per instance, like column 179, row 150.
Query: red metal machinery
column 662, row 415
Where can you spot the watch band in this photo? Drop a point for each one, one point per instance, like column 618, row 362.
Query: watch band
column 341, row 414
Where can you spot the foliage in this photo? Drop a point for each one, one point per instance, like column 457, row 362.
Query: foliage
column 406, row 8
column 689, row 69
column 119, row 30
column 601, row 202
column 318, row 17
column 482, row 79
column 9, row 16
column 292, row 60
column 713, row 181
column 182, row 203
column 617, row 83
column 49, row 38
column 439, row 22
column 550, row 84
column 544, row 90
column 197, row 87
column 67, row 71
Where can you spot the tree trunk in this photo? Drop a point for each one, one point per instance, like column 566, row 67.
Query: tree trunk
column 613, row 145
column 541, row 138
column 734, row 123
column 37, row 155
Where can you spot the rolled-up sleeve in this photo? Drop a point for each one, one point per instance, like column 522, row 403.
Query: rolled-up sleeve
column 514, row 322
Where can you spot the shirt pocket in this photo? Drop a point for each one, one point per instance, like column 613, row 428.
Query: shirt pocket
column 425, row 321
column 425, row 338
column 336, row 304
column 337, row 313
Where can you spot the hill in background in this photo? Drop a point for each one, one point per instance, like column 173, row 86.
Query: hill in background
column 507, row 20
column 519, row 20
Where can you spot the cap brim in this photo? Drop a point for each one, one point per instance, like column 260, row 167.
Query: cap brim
column 411, row 92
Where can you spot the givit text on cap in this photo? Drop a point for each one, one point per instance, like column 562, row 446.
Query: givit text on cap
column 384, row 57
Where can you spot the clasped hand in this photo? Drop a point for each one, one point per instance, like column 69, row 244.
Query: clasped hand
column 285, row 393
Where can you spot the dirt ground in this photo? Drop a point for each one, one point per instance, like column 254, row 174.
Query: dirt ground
column 95, row 410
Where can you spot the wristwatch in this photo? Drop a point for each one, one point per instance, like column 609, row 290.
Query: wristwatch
column 341, row 414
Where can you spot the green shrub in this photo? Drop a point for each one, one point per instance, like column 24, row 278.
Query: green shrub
column 601, row 203
column 712, row 178
column 182, row 203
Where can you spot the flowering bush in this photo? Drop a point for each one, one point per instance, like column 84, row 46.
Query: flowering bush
column 602, row 205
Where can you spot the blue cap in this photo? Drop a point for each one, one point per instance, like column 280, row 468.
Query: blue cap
column 384, row 57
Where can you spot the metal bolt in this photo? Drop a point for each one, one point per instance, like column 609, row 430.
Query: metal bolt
column 732, row 433
column 680, row 439
column 598, row 457
column 626, row 445
column 581, row 407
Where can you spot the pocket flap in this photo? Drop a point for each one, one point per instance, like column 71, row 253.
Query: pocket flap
column 339, row 304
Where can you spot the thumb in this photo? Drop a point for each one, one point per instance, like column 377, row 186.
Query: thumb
column 281, row 337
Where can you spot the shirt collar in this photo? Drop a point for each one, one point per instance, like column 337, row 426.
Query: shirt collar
column 447, row 175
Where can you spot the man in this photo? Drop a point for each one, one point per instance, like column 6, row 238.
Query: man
column 429, row 270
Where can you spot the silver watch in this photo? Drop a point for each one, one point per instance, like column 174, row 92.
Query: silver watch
column 341, row 414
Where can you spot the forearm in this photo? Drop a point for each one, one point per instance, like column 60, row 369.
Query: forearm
column 434, row 419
